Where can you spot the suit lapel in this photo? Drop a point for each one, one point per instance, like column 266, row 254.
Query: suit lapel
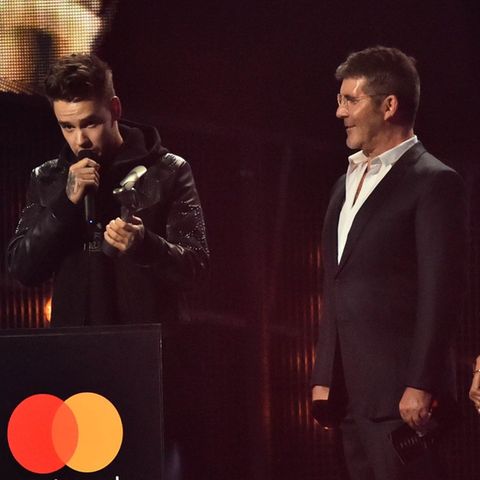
column 377, row 199
column 330, row 229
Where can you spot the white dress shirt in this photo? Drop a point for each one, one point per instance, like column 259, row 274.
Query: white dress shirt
column 358, row 163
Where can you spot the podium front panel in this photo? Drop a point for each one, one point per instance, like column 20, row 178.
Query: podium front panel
column 81, row 403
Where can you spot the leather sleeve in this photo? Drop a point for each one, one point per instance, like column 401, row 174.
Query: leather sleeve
column 41, row 236
column 182, row 255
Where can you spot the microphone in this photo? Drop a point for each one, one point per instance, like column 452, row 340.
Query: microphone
column 89, row 198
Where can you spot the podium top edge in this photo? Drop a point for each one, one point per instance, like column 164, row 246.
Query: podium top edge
column 83, row 330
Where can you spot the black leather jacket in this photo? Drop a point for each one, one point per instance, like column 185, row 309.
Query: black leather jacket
column 145, row 284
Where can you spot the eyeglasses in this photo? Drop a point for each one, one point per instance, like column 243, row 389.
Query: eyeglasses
column 347, row 100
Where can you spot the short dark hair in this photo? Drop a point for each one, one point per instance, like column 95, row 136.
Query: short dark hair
column 80, row 76
column 387, row 70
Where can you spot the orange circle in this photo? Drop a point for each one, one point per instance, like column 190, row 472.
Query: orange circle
column 100, row 432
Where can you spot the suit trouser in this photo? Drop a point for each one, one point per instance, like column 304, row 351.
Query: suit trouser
column 369, row 454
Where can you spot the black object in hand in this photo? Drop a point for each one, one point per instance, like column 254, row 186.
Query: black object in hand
column 409, row 444
column 326, row 414
column 89, row 198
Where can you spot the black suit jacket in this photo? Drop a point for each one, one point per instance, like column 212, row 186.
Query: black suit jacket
column 393, row 302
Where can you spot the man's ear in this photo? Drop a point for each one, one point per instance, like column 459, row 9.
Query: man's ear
column 115, row 109
column 390, row 106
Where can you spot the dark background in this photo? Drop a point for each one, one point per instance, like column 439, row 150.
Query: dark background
column 269, row 65
column 245, row 92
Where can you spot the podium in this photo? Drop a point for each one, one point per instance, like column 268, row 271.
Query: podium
column 89, row 397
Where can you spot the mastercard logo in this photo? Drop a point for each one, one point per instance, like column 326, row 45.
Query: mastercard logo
column 84, row 432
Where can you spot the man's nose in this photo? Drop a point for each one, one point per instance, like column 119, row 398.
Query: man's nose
column 82, row 139
column 341, row 112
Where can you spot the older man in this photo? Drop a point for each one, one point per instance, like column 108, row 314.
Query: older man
column 394, row 261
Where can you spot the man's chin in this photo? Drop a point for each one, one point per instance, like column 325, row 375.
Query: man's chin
column 352, row 145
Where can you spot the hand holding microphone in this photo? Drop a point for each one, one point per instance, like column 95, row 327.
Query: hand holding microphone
column 83, row 180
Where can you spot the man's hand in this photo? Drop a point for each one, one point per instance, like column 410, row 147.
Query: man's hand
column 474, row 393
column 122, row 235
column 320, row 393
column 416, row 408
column 82, row 175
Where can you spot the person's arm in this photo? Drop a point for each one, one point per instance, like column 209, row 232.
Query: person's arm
column 42, row 233
column 474, row 393
column 183, row 254
column 441, row 245
column 49, row 223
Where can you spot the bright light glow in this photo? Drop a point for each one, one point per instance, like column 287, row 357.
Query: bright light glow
column 47, row 309
column 33, row 33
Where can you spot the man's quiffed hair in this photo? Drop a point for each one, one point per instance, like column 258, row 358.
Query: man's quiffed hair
column 388, row 71
column 77, row 77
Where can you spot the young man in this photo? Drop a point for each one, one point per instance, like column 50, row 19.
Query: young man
column 156, row 251
column 394, row 262
column 155, row 243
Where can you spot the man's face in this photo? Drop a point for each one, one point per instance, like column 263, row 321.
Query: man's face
column 89, row 124
column 363, row 119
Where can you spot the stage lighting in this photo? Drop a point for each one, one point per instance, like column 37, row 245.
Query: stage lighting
column 34, row 33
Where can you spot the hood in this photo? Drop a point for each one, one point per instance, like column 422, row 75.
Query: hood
column 141, row 146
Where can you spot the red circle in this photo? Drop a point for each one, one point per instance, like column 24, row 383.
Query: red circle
column 30, row 434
